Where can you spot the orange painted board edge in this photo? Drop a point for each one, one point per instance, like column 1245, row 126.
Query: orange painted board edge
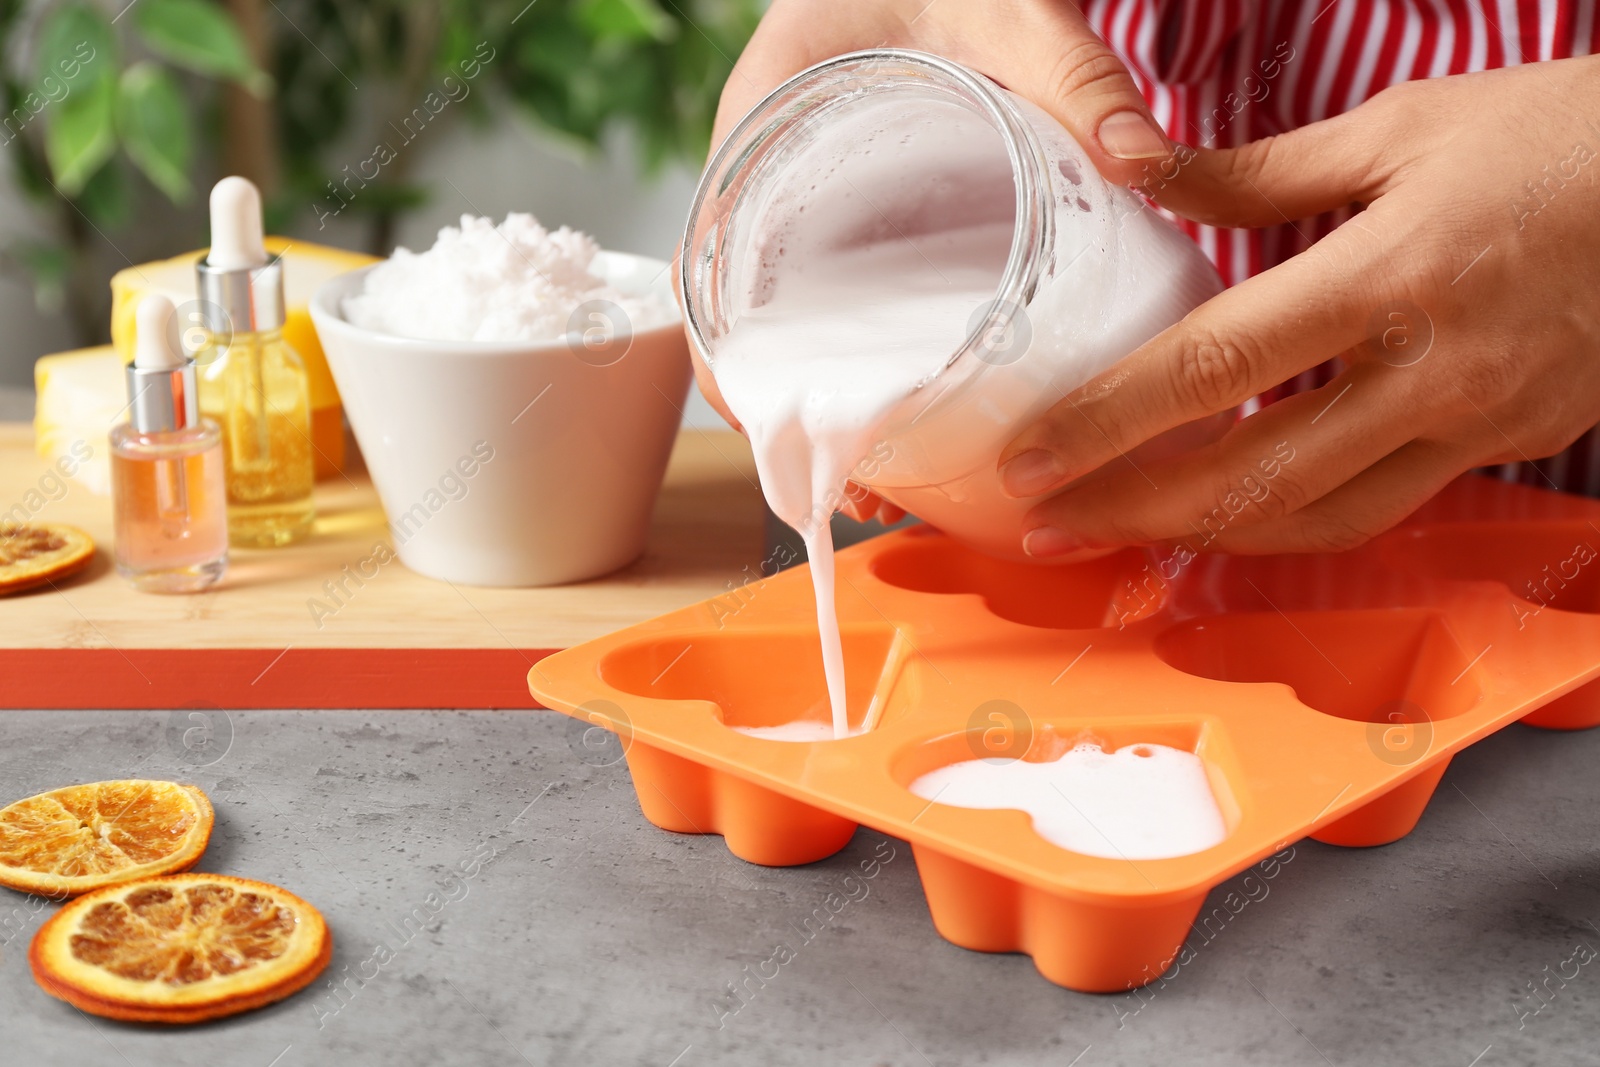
column 255, row 678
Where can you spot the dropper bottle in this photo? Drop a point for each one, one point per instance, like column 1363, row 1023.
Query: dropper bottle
column 167, row 490
column 251, row 382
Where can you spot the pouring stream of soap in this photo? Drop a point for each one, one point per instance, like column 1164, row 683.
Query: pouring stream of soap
column 813, row 373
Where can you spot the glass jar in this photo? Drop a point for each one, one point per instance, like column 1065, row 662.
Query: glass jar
column 890, row 145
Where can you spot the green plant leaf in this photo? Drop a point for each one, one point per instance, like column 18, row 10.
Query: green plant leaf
column 552, row 54
column 153, row 123
column 75, row 48
column 81, row 136
column 629, row 20
column 107, row 199
column 202, row 37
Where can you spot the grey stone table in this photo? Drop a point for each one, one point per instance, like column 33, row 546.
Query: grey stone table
column 529, row 915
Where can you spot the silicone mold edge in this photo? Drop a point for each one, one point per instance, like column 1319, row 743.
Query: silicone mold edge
column 1091, row 948
column 1577, row 710
column 759, row 825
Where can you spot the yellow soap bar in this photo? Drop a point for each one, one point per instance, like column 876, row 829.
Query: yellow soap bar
column 81, row 395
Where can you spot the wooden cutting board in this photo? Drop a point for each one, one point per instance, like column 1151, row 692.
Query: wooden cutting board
column 265, row 637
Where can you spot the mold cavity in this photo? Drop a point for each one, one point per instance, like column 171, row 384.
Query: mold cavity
column 768, row 683
column 1136, row 792
column 1103, row 592
column 1552, row 565
column 1369, row 666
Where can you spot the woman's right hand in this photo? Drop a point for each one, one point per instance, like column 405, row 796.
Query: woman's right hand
column 1042, row 50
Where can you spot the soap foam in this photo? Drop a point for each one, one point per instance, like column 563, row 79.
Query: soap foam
column 514, row 282
column 1139, row 802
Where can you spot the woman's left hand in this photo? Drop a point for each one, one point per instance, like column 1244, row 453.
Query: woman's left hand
column 1464, row 300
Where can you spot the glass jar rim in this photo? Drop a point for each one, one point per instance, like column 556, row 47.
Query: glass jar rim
column 1033, row 232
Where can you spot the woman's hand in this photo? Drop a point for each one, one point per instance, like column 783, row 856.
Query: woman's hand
column 1464, row 300
column 1040, row 49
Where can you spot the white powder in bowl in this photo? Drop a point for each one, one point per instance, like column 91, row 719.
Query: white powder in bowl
column 514, row 282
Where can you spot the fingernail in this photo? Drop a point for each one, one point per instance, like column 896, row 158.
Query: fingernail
column 1047, row 542
column 1129, row 135
column 1030, row 472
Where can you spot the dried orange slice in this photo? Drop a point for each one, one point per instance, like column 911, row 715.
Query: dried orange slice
column 84, row 837
column 181, row 948
column 35, row 553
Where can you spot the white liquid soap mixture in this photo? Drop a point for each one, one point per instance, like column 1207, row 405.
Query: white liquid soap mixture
column 799, row 730
column 1139, row 802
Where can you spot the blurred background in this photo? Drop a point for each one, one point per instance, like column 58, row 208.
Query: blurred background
column 367, row 123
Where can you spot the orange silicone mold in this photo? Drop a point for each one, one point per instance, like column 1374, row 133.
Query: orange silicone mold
column 1324, row 696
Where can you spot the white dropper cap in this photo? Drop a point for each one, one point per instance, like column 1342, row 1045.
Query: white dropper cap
column 161, row 386
column 237, row 241
column 153, row 348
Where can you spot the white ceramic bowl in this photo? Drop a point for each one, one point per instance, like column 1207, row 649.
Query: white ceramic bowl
column 514, row 464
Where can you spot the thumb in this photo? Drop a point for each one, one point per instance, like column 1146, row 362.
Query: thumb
column 1067, row 70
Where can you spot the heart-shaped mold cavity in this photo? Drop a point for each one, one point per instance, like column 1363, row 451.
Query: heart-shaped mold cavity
column 1106, row 592
column 1135, row 771
column 1379, row 666
column 760, row 678
column 1552, row 565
